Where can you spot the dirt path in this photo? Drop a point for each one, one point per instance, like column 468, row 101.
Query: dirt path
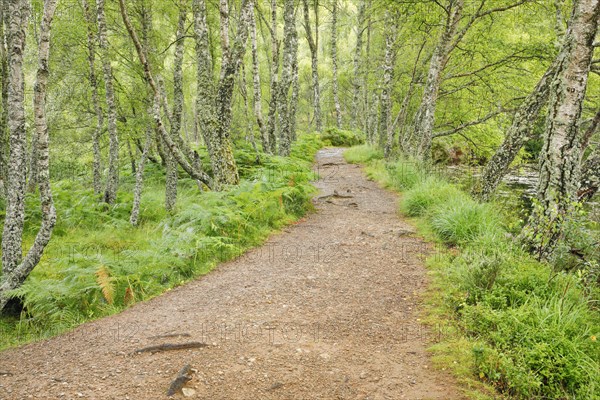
column 326, row 309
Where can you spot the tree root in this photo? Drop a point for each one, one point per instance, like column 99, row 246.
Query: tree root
column 171, row 346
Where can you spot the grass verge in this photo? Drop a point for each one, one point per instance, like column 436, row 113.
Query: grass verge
column 515, row 326
column 97, row 263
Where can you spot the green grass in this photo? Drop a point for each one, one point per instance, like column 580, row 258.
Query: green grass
column 362, row 154
column 97, row 264
column 514, row 326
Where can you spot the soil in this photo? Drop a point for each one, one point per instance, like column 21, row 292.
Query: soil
column 328, row 308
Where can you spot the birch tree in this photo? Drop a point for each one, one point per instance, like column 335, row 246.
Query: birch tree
column 257, row 100
column 274, row 84
column 176, row 113
column 4, row 99
column 386, row 128
column 15, row 268
column 215, row 101
column 334, row 64
column 357, row 78
column 91, row 48
column 290, row 48
column 561, row 153
column 112, row 180
column 313, row 44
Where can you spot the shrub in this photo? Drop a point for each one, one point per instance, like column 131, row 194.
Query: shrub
column 340, row 138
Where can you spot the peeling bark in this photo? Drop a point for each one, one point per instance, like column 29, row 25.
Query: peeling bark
column 224, row 16
column 561, row 153
column 4, row 137
column 292, row 112
column 289, row 53
column 139, row 179
column 176, row 114
column 271, row 121
column 12, row 236
column 386, row 130
column 223, row 162
column 366, row 102
column 313, row 44
column 91, row 47
column 112, row 180
column 357, row 80
column 334, row 65
column 214, row 103
column 264, row 137
column 14, row 271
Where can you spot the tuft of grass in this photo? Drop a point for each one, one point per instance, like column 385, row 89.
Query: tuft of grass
column 461, row 220
column 428, row 194
column 362, row 154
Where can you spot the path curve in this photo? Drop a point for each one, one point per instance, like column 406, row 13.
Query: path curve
column 326, row 309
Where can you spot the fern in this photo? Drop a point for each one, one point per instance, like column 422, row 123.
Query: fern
column 105, row 282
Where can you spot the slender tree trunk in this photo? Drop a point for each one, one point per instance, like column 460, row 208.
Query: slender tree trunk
column 559, row 26
column 112, row 180
column 12, row 236
column 249, row 121
column 334, row 62
column 224, row 165
column 272, row 121
column 400, row 122
column 514, row 139
column 425, row 117
column 139, row 179
column 32, row 180
column 91, row 46
column 176, row 114
column 313, row 44
column 214, row 106
column 292, row 112
column 590, row 176
column 289, row 49
column 224, row 17
column 357, row 80
column 131, row 158
column 371, row 119
column 14, row 271
column 264, row 137
column 4, row 136
column 561, row 153
column 205, row 96
column 367, row 73
column 385, row 121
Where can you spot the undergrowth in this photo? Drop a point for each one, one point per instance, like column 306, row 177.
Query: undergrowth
column 97, row 264
column 341, row 138
column 526, row 329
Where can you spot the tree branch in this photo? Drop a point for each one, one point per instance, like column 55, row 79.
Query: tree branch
column 472, row 123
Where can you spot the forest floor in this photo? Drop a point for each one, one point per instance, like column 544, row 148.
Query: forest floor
column 327, row 309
